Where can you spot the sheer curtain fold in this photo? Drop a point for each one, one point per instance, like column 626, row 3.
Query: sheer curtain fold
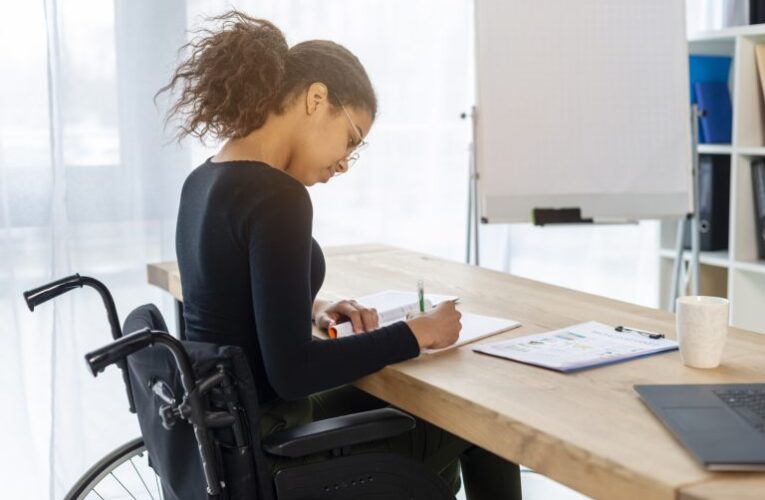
column 90, row 181
column 58, row 220
column 88, row 185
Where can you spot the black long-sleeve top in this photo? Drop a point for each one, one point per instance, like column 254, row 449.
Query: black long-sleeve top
column 250, row 271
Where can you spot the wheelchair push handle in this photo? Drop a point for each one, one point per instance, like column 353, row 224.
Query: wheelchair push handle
column 126, row 345
column 41, row 294
column 116, row 351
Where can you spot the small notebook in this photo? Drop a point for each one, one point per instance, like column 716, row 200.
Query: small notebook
column 585, row 345
column 394, row 305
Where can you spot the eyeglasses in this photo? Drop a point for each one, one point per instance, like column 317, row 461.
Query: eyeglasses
column 353, row 156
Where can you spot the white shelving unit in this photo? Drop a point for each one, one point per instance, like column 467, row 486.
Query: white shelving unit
column 734, row 273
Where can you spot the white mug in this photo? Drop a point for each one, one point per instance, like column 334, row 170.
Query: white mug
column 702, row 326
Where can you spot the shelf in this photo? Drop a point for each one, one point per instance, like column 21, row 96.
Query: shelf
column 751, row 151
column 727, row 33
column 735, row 273
column 719, row 258
column 722, row 149
column 750, row 266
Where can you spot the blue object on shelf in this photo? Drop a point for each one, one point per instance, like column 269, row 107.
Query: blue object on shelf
column 715, row 111
column 707, row 69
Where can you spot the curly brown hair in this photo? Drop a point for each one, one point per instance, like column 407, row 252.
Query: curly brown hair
column 240, row 72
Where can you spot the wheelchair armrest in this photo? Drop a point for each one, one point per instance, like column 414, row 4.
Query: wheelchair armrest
column 338, row 432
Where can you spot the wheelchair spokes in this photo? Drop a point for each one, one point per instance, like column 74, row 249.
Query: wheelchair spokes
column 127, row 481
column 124, row 474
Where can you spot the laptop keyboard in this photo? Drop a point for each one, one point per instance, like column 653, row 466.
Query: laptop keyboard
column 748, row 403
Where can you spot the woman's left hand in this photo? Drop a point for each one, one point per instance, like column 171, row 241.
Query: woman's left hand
column 363, row 319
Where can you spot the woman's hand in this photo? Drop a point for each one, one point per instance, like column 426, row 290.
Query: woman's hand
column 437, row 328
column 362, row 318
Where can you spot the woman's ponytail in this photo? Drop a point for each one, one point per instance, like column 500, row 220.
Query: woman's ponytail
column 231, row 79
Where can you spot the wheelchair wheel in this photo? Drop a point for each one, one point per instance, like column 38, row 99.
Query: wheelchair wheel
column 122, row 474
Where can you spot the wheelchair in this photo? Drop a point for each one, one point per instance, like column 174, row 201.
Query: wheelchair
column 198, row 412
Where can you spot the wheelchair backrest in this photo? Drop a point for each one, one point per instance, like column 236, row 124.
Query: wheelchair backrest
column 173, row 452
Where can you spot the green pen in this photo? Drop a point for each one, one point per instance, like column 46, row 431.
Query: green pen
column 421, row 294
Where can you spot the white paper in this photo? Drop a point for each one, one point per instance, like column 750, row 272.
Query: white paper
column 394, row 305
column 391, row 299
column 579, row 346
column 476, row 327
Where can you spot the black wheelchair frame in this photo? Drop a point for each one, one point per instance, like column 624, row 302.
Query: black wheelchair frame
column 406, row 478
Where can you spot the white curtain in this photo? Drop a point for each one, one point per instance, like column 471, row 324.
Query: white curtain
column 89, row 183
column 86, row 186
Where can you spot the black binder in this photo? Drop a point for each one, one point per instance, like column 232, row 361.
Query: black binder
column 756, row 11
column 758, row 185
column 714, row 203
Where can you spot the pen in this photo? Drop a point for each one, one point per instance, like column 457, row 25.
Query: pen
column 421, row 294
column 645, row 333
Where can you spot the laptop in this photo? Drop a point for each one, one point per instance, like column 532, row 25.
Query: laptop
column 722, row 425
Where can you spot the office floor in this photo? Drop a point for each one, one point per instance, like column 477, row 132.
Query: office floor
column 537, row 487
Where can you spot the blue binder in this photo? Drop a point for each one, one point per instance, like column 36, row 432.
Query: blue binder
column 715, row 110
column 707, row 69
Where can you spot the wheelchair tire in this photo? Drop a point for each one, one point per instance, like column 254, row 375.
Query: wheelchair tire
column 123, row 473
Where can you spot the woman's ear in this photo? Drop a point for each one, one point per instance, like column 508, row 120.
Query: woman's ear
column 316, row 95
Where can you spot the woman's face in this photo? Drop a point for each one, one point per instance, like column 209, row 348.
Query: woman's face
column 328, row 135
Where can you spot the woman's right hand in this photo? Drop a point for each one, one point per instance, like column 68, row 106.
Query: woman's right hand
column 437, row 328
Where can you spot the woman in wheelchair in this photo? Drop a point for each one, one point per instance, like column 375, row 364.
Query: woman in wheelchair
column 251, row 270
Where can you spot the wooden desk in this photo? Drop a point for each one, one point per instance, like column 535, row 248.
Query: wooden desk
column 587, row 430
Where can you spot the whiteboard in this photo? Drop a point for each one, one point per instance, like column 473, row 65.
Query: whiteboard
column 582, row 104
